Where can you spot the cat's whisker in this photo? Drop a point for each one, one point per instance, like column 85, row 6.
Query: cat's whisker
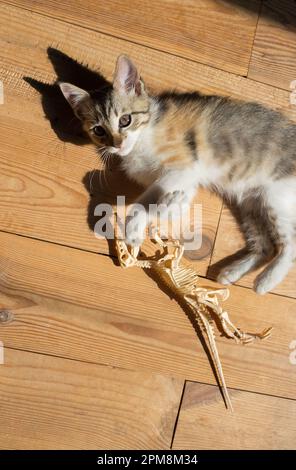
column 105, row 158
column 102, row 171
column 106, row 168
column 91, row 179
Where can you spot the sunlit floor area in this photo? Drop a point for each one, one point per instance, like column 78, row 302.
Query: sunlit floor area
column 97, row 357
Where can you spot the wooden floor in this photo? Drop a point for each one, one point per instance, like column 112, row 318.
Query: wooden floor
column 97, row 357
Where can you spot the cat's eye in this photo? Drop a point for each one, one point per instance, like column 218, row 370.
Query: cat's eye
column 125, row 120
column 99, row 131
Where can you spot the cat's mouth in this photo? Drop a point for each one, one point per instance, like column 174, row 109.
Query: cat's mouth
column 122, row 151
column 113, row 150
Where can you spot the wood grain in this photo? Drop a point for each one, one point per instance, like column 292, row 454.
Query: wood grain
column 53, row 403
column 228, row 241
column 258, row 422
column 79, row 305
column 273, row 58
column 188, row 29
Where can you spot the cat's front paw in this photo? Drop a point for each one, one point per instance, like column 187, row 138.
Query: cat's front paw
column 173, row 202
column 135, row 228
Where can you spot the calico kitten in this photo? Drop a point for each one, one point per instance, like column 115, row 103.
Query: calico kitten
column 173, row 143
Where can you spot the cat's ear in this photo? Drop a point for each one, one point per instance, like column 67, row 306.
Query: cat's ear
column 75, row 96
column 126, row 77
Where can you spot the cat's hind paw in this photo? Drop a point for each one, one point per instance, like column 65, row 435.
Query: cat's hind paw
column 263, row 284
column 229, row 275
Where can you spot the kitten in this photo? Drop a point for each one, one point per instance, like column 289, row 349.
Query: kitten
column 173, row 143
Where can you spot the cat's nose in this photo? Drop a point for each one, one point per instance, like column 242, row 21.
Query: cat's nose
column 117, row 142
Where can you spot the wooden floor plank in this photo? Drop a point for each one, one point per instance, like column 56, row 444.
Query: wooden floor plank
column 258, row 422
column 188, row 29
column 53, row 403
column 228, row 241
column 273, row 58
column 79, row 305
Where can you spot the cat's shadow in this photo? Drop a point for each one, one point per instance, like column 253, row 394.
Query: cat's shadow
column 102, row 186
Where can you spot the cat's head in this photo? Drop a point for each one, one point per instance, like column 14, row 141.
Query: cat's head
column 114, row 116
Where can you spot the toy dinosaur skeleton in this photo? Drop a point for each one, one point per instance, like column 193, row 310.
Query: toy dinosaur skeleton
column 203, row 303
